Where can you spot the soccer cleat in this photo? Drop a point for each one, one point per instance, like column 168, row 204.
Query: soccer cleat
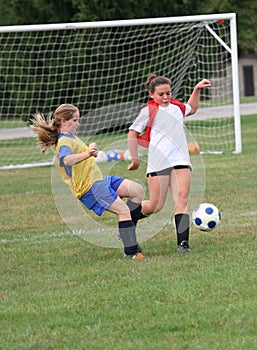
column 183, row 247
column 137, row 256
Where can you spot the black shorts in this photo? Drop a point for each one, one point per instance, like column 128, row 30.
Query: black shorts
column 167, row 171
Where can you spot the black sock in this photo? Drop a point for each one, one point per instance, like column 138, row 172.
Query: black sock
column 135, row 211
column 182, row 227
column 127, row 232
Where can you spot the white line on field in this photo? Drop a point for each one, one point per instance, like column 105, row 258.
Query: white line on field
column 47, row 236
column 249, row 213
column 36, row 238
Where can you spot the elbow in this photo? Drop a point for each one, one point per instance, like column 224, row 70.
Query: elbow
column 66, row 161
column 193, row 110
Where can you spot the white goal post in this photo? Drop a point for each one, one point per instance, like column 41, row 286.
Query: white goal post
column 101, row 67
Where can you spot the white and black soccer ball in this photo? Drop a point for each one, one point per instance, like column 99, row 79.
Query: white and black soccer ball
column 206, row 217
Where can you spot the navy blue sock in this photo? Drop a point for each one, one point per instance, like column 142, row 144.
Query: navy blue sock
column 182, row 227
column 127, row 232
column 135, row 211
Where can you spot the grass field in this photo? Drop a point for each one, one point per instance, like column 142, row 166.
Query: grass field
column 59, row 292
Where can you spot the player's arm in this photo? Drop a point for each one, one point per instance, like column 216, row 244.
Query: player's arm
column 195, row 97
column 133, row 149
column 72, row 159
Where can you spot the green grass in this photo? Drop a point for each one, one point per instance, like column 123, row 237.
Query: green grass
column 59, row 292
column 9, row 124
column 22, row 151
column 248, row 99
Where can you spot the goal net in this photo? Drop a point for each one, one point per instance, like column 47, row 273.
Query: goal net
column 101, row 67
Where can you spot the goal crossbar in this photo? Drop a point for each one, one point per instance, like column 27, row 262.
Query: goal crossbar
column 115, row 23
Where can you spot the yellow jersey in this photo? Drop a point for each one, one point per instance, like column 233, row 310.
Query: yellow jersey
column 80, row 176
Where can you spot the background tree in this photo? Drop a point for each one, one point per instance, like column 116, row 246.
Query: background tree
column 19, row 12
column 15, row 12
column 246, row 12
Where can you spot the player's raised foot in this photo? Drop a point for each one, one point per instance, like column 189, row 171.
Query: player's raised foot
column 137, row 256
column 183, row 247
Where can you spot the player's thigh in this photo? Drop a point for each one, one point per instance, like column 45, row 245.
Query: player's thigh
column 131, row 189
column 180, row 182
column 119, row 207
column 158, row 188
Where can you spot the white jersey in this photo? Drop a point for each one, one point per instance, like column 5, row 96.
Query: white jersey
column 168, row 145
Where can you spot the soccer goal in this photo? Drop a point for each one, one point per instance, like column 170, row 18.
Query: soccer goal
column 101, row 67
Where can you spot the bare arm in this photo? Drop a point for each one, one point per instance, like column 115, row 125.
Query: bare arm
column 133, row 149
column 72, row 159
column 195, row 97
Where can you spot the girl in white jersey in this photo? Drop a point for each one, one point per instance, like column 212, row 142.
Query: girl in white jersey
column 75, row 163
column 168, row 157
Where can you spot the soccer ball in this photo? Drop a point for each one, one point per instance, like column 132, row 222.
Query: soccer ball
column 193, row 148
column 115, row 154
column 206, row 217
column 121, row 153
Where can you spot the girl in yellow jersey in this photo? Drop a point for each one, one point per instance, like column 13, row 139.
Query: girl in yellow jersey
column 75, row 163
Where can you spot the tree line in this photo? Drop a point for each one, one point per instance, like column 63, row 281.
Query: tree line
column 21, row 12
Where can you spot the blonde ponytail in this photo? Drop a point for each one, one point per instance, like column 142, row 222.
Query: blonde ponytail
column 46, row 130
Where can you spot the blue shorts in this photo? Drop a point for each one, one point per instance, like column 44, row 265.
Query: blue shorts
column 102, row 194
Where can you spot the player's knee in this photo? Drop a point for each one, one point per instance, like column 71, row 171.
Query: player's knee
column 138, row 192
column 154, row 207
column 183, row 199
column 158, row 208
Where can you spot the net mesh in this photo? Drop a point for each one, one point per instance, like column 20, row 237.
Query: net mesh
column 102, row 71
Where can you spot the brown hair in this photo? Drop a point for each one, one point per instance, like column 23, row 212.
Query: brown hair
column 47, row 128
column 153, row 80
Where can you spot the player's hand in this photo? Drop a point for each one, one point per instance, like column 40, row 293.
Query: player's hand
column 92, row 149
column 203, row 84
column 134, row 164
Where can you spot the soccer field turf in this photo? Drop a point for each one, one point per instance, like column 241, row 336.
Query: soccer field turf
column 60, row 292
